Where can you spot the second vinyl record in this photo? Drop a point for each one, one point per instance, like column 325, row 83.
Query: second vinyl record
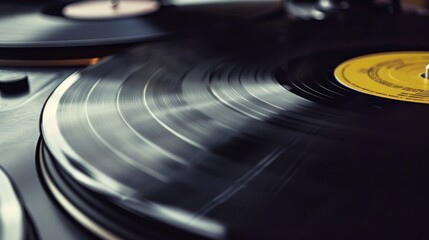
column 31, row 30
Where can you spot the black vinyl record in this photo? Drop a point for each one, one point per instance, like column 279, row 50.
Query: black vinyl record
column 34, row 30
column 252, row 138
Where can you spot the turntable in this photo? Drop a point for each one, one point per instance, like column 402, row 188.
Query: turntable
column 202, row 120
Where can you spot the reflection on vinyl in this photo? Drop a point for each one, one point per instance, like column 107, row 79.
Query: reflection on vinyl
column 141, row 127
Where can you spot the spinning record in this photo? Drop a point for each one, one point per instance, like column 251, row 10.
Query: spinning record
column 32, row 30
column 239, row 140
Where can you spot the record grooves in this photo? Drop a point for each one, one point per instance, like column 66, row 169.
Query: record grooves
column 311, row 77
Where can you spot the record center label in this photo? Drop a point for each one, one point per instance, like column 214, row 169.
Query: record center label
column 393, row 75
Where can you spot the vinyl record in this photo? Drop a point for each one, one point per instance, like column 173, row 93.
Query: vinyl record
column 243, row 140
column 41, row 31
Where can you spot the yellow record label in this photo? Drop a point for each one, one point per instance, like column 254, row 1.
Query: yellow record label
column 393, row 75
